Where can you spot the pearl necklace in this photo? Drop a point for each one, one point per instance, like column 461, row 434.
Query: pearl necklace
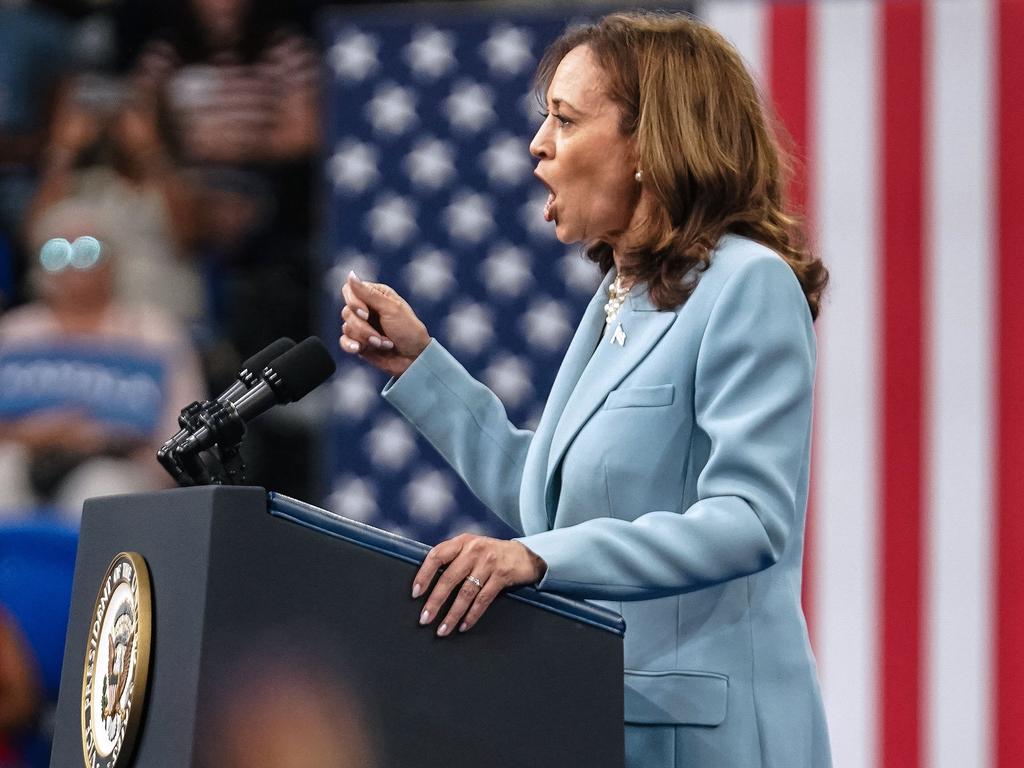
column 616, row 298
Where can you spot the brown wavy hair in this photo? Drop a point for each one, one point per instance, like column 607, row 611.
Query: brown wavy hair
column 709, row 153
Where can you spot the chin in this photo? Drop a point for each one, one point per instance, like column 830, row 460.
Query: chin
column 565, row 235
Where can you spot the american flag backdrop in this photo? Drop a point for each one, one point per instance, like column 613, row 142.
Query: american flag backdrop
column 908, row 123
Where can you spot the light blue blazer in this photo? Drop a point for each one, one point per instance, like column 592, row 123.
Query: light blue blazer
column 667, row 479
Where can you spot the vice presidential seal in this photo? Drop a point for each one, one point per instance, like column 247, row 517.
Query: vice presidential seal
column 116, row 663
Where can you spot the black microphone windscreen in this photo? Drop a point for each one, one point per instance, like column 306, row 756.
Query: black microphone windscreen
column 303, row 368
column 268, row 354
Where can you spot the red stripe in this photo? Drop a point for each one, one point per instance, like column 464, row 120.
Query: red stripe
column 1008, row 675
column 900, row 284
column 787, row 73
column 787, row 65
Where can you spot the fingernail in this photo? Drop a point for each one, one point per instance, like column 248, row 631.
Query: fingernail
column 354, row 276
column 374, row 342
column 387, row 343
column 416, row 589
column 425, row 617
column 363, row 314
column 442, row 630
column 354, row 346
column 463, row 627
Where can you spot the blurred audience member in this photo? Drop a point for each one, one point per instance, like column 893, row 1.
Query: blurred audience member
column 240, row 88
column 106, row 148
column 282, row 709
column 34, row 46
column 238, row 82
column 89, row 386
column 20, row 690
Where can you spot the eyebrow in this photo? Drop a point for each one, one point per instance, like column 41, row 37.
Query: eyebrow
column 559, row 102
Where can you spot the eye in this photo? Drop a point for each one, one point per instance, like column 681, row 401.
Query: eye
column 562, row 120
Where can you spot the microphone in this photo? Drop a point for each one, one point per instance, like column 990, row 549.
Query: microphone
column 290, row 377
column 191, row 415
column 249, row 376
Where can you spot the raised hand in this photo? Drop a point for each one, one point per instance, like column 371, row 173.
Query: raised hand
column 380, row 326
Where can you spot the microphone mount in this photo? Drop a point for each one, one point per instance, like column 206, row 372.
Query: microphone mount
column 222, row 464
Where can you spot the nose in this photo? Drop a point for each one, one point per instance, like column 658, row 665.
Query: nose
column 541, row 146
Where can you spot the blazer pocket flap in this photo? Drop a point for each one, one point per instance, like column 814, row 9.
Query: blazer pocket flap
column 676, row 698
column 661, row 394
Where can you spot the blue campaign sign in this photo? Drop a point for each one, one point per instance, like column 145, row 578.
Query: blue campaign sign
column 115, row 385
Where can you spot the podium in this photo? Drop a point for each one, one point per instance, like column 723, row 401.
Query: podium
column 277, row 625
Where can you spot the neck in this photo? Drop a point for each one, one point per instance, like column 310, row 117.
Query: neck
column 624, row 242
column 72, row 317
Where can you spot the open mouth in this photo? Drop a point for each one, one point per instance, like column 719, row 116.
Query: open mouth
column 549, row 210
column 549, row 214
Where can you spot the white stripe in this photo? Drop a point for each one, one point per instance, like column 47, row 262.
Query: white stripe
column 844, row 166
column 742, row 23
column 956, row 731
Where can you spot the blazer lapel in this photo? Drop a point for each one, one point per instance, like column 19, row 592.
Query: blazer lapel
column 531, row 499
column 643, row 325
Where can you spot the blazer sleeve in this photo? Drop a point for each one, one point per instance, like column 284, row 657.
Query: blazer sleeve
column 752, row 398
column 468, row 426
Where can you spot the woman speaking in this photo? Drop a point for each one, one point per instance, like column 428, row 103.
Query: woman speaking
column 667, row 476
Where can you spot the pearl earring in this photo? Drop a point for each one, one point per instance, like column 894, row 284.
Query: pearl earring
column 639, row 176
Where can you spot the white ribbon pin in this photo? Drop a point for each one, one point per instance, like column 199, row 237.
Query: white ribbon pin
column 619, row 337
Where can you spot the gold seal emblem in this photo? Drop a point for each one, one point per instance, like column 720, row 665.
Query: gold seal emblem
column 116, row 663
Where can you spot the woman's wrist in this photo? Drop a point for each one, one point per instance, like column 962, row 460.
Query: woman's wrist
column 537, row 567
column 410, row 359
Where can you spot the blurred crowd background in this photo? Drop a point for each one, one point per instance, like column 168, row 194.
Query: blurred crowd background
column 183, row 136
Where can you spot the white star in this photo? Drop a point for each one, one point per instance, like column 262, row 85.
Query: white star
column 469, row 217
column 430, row 496
column 349, row 260
column 354, row 55
column 507, row 160
column 430, row 274
column 430, row 164
column 353, row 497
column 531, row 216
column 469, row 327
column 392, row 109
column 391, row 221
column 469, row 525
column 430, row 53
column 353, row 166
column 579, row 273
column 470, row 106
column 546, row 324
column 509, row 377
column 390, row 444
column 355, row 392
column 507, row 50
column 506, row 270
